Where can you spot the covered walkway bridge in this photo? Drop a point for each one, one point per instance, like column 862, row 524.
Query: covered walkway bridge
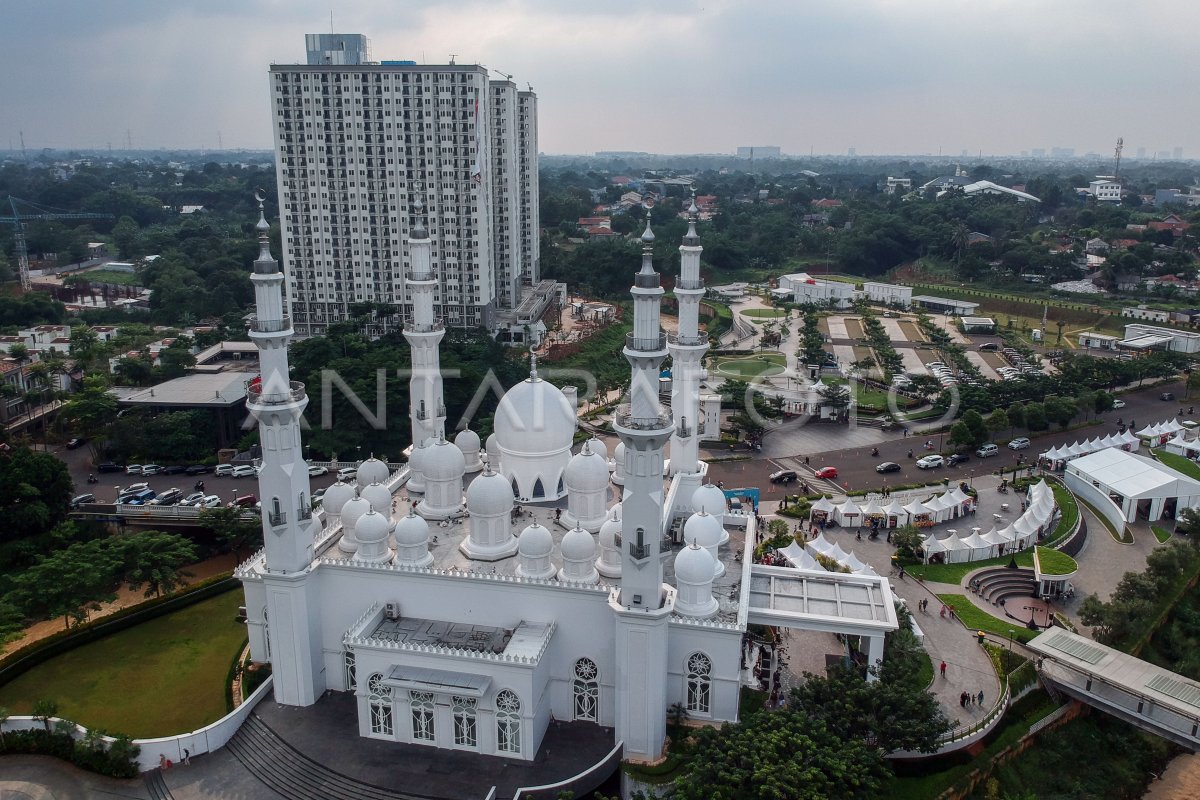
column 1150, row 697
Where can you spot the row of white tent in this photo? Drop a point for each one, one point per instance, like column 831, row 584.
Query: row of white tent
column 1021, row 534
column 951, row 504
column 1125, row 441
column 801, row 557
column 1180, row 444
column 1160, row 432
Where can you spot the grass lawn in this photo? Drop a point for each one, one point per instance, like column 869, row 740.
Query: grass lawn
column 1160, row 533
column 1054, row 562
column 1179, row 463
column 765, row 313
column 750, row 367
column 162, row 677
column 1070, row 513
column 954, row 573
column 977, row 619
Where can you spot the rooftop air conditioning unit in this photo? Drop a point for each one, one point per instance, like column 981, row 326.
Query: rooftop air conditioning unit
column 391, row 611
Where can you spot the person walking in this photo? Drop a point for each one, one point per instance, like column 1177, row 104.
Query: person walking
column 962, row 699
column 981, row 697
column 943, row 669
column 187, row 754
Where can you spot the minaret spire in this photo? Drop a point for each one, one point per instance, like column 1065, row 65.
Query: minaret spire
column 688, row 348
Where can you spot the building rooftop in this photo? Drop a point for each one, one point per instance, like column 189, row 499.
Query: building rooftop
column 217, row 390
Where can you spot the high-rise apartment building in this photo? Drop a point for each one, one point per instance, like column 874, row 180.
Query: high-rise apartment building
column 361, row 144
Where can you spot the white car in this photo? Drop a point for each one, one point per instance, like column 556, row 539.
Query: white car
column 223, row 470
column 133, row 469
column 1020, row 443
column 211, row 501
column 929, row 462
column 1118, row 403
column 315, row 470
column 347, row 473
column 151, row 469
column 244, row 471
column 192, row 499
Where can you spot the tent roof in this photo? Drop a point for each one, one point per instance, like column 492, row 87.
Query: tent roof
column 1134, row 476
column 933, row 545
column 915, row 507
column 824, row 504
column 895, row 509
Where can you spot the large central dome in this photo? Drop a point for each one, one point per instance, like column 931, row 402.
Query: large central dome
column 535, row 427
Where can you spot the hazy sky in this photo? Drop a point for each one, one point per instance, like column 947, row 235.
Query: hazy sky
column 671, row 76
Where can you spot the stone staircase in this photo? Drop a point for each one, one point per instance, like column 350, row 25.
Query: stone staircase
column 295, row 776
column 156, row 786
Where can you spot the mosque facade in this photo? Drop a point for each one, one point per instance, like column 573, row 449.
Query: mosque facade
column 475, row 614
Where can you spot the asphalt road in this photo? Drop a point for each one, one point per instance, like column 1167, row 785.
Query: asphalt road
column 856, row 465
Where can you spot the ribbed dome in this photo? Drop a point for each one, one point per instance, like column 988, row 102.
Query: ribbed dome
column 489, row 494
column 693, row 565
column 373, row 471
column 586, row 471
column 578, row 545
column 336, row 497
column 534, row 418
column 535, row 542
column 702, row 529
column 467, row 441
column 608, row 533
column 443, row 462
column 354, row 508
column 378, row 496
column 709, row 498
column 598, row 446
column 412, row 531
column 371, row 527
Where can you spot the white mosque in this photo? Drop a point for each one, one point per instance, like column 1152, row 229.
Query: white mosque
column 459, row 623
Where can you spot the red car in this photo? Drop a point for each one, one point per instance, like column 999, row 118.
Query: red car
column 827, row 472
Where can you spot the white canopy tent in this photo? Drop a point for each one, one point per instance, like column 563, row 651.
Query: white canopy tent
column 819, row 545
column 980, row 547
column 956, row 551
column 800, row 558
column 849, row 515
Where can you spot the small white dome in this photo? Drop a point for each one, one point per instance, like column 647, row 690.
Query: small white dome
column 615, row 512
column 598, row 446
column 443, row 462
column 618, row 476
column 412, row 531
column 534, row 417
column 336, row 497
column 371, row 527
column 694, row 565
column 493, row 451
column 354, row 508
column 702, row 529
column 378, row 496
column 578, row 545
column 710, row 499
column 586, row 471
column 467, row 441
column 535, row 542
column 416, row 467
column 489, row 494
column 373, row 471
column 608, row 533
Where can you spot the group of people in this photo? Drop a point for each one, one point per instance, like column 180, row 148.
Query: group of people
column 966, row 699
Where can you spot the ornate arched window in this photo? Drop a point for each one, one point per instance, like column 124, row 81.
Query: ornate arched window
column 586, row 689
column 699, row 683
column 349, row 670
column 560, row 484
column 422, row 716
column 508, row 722
column 538, row 489
column 462, row 709
column 379, row 698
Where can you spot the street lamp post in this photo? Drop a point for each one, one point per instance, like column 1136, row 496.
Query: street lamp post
column 1011, row 634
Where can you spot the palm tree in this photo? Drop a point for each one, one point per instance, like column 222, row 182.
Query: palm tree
column 960, row 237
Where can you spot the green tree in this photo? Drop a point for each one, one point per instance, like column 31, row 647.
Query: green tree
column 835, row 396
column 231, row 531
column 906, row 539
column 35, row 493
column 998, row 421
column 1035, row 417
column 1016, row 415
column 69, row 583
column 91, row 410
column 155, row 559
column 961, row 434
column 974, row 421
column 126, row 236
column 45, row 710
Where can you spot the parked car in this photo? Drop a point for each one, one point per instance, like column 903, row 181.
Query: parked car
column 347, row 473
column 193, row 499
column 1019, row 443
column 133, row 469
column 888, row 466
column 315, row 470
column 223, row 469
column 987, row 450
column 1118, row 403
column 131, row 490
column 140, row 499
column 82, row 499
column 174, row 469
column 245, row 501
column 210, row 501
column 151, row 469
column 1167, row 396
column 168, row 498
column 783, row 476
column 198, row 469
column 930, row 462
column 989, row 347
column 827, row 472
column 76, row 443
column 108, row 466
column 957, row 458
column 244, row 471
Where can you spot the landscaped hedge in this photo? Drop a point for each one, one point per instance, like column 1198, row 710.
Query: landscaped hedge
column 118, row 760
column 28, row 657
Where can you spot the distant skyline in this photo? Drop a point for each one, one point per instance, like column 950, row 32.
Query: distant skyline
column 696, row 76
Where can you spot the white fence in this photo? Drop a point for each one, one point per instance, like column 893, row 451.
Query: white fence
column 205, row 740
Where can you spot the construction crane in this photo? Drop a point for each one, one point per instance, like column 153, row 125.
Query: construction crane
column 17, row 219
column 1117, row 166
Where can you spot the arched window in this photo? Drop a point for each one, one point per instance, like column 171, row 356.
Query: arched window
column 422, row 716
column 266, row 633
column 379, row 698
column 586, row 689
column 699, row 683
column 538, row 489
column 463, row 711
column 560, row 484
column 348, row 667
column 508, row 722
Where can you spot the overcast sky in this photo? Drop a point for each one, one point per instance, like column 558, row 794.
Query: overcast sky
column 669, row 76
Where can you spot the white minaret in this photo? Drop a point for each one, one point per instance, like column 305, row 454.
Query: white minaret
column 687, row 347
column 643, row 604
column 289, row 531
column 424, row 335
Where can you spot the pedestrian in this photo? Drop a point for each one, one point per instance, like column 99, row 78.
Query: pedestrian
column 981, row 697
column 901, row 573
column 962, row 699
column 943, row 669
column 187, row 754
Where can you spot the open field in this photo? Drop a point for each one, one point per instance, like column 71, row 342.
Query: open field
column 854, row 328
column 748, row 367
column 162, row 677
column 908, row 328
column 765, row 313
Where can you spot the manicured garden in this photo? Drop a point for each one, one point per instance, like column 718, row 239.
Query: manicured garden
column 954, row 573
column 162, row 677
column 976, row 619
column 749, row 367
column 1162, row 534
column 1179, row 463
column 764, row 313
column 1055, row 562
